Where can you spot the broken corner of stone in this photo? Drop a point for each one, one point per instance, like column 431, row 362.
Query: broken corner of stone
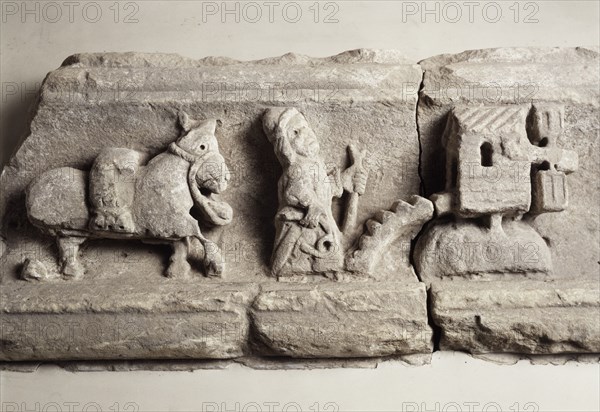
column 540, row 300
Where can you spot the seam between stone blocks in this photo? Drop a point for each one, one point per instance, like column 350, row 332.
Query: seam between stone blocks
column 435, row 329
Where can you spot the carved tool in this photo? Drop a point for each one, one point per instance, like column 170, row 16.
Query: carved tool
column 356, row 157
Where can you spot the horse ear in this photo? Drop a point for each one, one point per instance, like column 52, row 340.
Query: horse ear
column 208, row 126
column 185, row 121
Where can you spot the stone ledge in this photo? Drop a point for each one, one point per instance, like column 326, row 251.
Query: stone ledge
column 341, row 320
column 180, row 321
column 132, row 78
column 163, row 296
column 206, row 320
column 201, row 335
column 530, row 317
column 512, row 75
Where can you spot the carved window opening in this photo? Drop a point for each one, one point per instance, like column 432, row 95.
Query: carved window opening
column 545, row 165
column 487, row 153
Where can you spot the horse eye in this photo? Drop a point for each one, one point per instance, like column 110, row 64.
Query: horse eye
column 202, row 147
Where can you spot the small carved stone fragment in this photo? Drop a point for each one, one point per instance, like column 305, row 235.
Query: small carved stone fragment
column 33, row 269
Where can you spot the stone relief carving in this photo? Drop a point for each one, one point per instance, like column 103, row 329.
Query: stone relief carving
column 308, row 239
column 346, row 259
column 503, row 168
column 131, row 200
column 403, row 221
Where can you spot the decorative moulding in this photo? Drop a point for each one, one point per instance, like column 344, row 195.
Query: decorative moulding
column 356, row 206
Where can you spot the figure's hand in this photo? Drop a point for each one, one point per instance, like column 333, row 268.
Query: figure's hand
column 312, row 217
column 355, row 177
column 359, row 181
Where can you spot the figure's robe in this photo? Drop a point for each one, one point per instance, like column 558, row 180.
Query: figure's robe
column 300, row 249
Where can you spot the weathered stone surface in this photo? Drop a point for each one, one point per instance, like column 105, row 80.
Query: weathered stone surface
column 389, row 229
column 34, row 270
column 110, row 321
column 131, row 200
column 308, row 239
column 460, row 250
column 102, row 124
column 341, row 320
column 527, row 76
column 133, row 101
column 506, row 275
column 111, row 178
column 530, row 317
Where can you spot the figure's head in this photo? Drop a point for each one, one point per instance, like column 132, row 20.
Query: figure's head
column 199, row 139
column 290, row 134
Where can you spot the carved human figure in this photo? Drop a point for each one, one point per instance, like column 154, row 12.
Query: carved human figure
column 307, row 239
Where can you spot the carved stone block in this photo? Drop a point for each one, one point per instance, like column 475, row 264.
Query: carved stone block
column 354, row 206
column 559, row 89
column 162, row 192
column 185, row 321
column 532, row 317
column 513, row 128
column 341, row 320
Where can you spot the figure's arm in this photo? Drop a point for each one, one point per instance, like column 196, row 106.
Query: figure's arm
column 298, row 194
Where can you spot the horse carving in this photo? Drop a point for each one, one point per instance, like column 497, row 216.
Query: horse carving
column 122, row 198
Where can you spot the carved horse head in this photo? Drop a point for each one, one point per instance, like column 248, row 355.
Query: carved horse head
column 199, row 140
column 208, row 174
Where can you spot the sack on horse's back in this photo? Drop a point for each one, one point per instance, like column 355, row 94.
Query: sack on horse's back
column 112, row 188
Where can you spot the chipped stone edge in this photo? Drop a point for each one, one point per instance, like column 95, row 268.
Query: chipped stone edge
column 350, row 56
column 250, row 362
column 258, row 363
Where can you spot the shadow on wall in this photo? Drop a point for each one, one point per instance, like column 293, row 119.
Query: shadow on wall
column 16, row 113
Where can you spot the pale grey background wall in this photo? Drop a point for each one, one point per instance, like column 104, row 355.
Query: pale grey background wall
column 36, row 36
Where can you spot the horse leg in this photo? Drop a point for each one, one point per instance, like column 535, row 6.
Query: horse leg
column 178, row 264
column 213, row 261
column 68, row 250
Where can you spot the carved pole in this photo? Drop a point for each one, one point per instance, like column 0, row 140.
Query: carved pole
column 356, row 157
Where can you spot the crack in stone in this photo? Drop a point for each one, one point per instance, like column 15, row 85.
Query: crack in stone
column 436, row 329
column 419, row 169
